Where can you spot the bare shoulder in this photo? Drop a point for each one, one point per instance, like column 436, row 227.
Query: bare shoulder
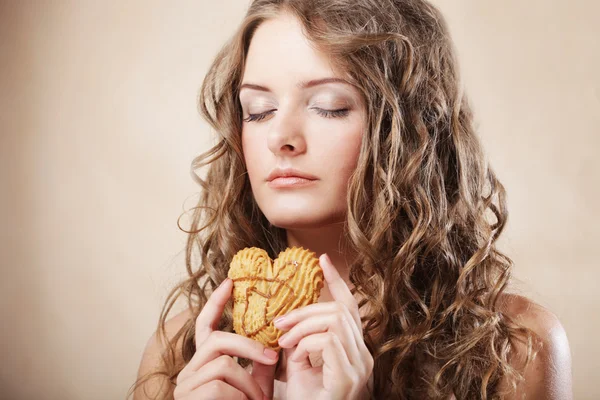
column 548, row 376
column 152, row 356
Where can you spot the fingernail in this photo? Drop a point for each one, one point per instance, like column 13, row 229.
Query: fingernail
column 223, row 283
column 270, row 353
column 282, row 338
column 279, row 321
column 326, row 260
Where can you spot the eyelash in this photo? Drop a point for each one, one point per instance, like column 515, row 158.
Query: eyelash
column 325, row 113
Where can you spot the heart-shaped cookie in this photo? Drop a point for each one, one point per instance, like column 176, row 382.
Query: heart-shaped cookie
column 263, row 290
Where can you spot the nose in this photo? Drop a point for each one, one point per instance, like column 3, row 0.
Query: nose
column 285, row 137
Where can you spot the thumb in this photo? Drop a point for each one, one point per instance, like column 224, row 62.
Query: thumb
column 264, row 375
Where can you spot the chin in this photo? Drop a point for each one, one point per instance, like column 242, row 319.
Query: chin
column 303, row 220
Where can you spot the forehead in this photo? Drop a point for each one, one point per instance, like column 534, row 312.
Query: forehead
column 279, row 53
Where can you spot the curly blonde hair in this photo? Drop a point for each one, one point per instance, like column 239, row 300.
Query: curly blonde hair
column 424, row 209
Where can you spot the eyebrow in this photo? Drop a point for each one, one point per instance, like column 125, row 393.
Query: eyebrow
column 300, row 85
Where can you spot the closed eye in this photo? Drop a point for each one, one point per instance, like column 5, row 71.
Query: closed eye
column 325, row 113
column 333, row 113
column 258, row 117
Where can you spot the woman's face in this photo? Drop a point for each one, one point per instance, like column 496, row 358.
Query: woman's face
column 296, row 120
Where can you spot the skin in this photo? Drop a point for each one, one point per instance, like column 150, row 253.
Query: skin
column 294, row 133
column 294, row 119
column 212, row 373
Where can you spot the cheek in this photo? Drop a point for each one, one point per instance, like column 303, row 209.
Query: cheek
column 250, row 156
column 352, row 150
column 340, row 152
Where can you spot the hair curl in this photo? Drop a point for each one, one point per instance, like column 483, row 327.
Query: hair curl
column 424, row 209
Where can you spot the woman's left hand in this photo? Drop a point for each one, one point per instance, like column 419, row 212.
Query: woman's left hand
column 333, row 330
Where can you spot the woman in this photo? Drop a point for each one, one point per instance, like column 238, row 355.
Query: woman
column 343, row 129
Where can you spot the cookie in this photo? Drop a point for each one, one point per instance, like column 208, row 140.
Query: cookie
column 264, row 290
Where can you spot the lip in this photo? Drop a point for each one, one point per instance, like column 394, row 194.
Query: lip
column 289, row 172
column 289, row 177
column 289, row 182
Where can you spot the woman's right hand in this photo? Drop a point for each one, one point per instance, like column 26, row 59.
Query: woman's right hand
column 212, row 373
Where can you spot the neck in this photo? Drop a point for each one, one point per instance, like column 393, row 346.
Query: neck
column 329, row 239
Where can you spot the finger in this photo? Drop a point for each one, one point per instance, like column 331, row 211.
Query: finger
column 216, row 390
column 224, row 369
column 331, row 350
column 295, row 317
column 264, row 375
column 338, row 288
column 337, row 323
column 212, row 311
column 329, row 307
column 292, row 368
column 220, row 343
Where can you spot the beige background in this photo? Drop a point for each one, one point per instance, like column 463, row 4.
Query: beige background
column 98, row 127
